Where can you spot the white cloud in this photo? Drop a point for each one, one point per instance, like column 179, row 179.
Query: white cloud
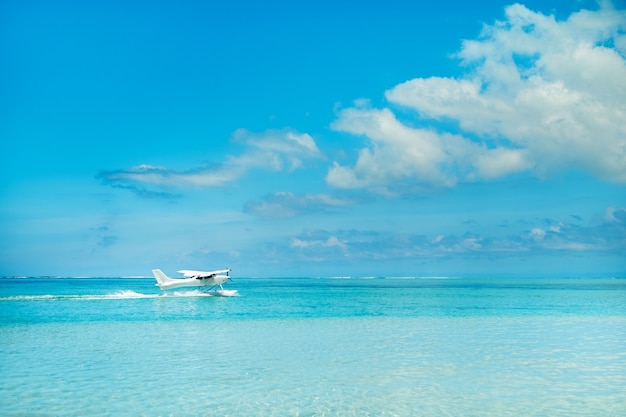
column 397, row 152
column 277, row 147
column 401, row 157
column 331, row 242
column 500, row 161
column 201, row 177
column 274, row 150
column 537, row 233
column 540, row 95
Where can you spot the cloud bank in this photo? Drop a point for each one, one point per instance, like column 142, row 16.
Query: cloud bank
column 545, row 236
column 539, row 96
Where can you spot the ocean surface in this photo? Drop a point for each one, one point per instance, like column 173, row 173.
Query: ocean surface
column 314, row 347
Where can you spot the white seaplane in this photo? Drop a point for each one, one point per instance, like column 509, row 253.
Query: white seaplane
column 192, row 278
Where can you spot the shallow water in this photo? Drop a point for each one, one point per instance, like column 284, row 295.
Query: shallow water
column 314, row 347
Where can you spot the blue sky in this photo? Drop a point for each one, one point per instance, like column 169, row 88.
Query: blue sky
column 318, row 138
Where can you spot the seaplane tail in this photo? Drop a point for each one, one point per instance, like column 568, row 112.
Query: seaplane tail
column 163, row 281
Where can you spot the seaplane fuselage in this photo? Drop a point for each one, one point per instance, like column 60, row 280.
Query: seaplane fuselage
column 194, row 279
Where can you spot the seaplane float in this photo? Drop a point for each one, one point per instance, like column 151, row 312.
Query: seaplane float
column 207, row 280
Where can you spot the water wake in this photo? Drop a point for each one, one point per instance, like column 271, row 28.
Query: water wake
column 118, row 295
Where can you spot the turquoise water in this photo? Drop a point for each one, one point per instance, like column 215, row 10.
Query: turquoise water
column 314, row 347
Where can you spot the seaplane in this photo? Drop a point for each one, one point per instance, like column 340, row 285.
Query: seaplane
column 211, row 279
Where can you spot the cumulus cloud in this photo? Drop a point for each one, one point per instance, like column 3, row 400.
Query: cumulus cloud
column 538, row 95
column 397, row 152
column 274, row 150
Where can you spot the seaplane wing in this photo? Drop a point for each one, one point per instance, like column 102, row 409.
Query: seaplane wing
column 207, row 279
column 190, row 273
